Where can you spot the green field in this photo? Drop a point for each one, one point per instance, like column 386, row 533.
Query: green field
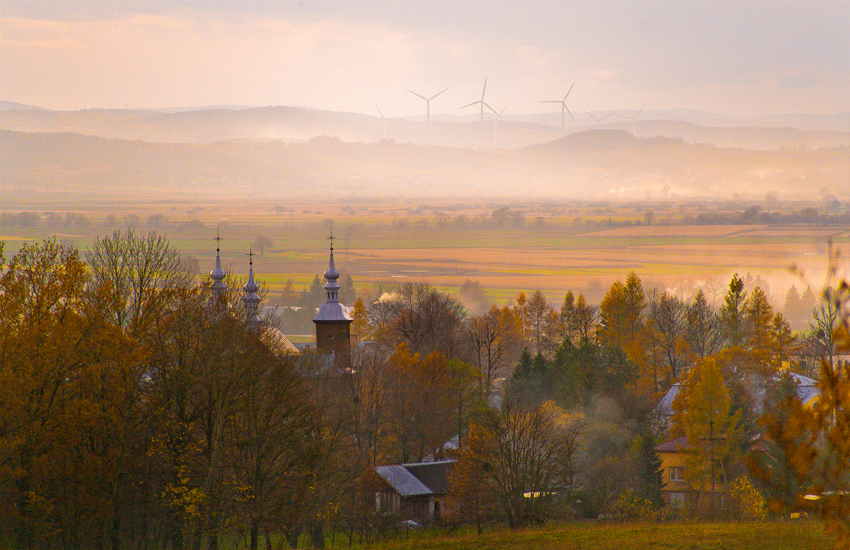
column 785, row 535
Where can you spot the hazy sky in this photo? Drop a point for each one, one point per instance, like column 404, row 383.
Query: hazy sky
column 734, row 58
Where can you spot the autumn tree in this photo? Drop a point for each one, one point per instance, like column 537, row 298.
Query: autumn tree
column 703, row 414
column 493, row 340
column 758, row 318
column 566, row 317
column 62, row 370
column 586, row 318
column 135, row 270
column 666, row 320
column 518, row 465
column 817, row 442
column 703, row 327
column 538, row 309
column 782, row 340
column 425, row 319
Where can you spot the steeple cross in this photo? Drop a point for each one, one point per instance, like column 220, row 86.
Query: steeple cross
column 217, row 239
column 331, row 239
column 251, row 255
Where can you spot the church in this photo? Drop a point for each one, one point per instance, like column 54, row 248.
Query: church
column 333, row 323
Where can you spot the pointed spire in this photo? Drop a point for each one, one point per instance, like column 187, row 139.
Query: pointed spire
column 251, row 299
column 332, row 310
column 331, row 275
column 217, row 274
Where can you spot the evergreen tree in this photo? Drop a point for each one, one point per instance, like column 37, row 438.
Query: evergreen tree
column 524, row 367
column 759, row 316
column 567, row 316
column 732, row 312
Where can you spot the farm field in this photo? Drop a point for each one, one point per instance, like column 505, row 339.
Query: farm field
column 804, row 535
column 380, row 243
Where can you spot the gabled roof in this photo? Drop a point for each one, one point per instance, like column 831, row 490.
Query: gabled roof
column 278, row 342
column 420, row 478
column 404, row 482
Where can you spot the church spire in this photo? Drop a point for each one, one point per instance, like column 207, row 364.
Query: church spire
column 251, row 299
column 331, row 275
column 217, row 274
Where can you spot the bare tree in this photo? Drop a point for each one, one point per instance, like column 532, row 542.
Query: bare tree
column 667, row 324
column 136, row 271
column 493, row 341
column 425, row 319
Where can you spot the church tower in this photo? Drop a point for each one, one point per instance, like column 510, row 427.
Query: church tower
column 219, row 289
column 333, row 324
column 250, row 298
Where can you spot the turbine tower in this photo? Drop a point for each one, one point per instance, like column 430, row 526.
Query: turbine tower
column 427, row 110
column 634, row 120
column 598, row 119
column 496, row 128
column 483, row 104
column 383, row 118
column 564, row 107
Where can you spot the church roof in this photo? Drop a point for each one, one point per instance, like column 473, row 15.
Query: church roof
column 332, row 311
column 278, row 342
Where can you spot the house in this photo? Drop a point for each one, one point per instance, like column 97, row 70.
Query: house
column 677, row 492
column 414, row 491
column 807, row 392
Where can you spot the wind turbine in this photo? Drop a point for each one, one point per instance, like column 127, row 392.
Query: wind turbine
column 598, row 119
column 482, row 102
column 382, row 118
column 634, row 120
column 564, row 107
column 427, row 110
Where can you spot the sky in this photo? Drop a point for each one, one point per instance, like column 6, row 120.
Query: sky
column 735, row 58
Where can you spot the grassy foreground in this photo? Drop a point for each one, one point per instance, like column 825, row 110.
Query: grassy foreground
column 787, row 535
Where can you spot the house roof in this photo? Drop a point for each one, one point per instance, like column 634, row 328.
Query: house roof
column 421, row 478
column 404, row 482
column 677, row 445
column 665, row 406
column 277, row 341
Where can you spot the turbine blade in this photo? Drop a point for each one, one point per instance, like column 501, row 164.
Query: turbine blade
column 606, row 116
column 485, row 88
column 590, row 115
column 641, row 109
column 432, row 97
column 379, row 110
column 571, row 115
column 470, row 105
column 492, row 109
column 503, row 110
column 552, row 101
column 568, row 91
column 417, row 95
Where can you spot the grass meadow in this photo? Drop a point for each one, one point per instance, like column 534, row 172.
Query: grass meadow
column 784, row 535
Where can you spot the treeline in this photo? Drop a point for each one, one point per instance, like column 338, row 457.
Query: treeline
column 137, row 409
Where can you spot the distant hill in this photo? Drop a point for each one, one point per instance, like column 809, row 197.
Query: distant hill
column 293, row 124
column 12, row 106
column 590, row 164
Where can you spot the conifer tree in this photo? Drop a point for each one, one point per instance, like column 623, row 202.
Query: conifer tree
column 732, row 312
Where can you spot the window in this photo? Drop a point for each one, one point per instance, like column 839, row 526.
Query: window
column 677, row 473
column 677, row 500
